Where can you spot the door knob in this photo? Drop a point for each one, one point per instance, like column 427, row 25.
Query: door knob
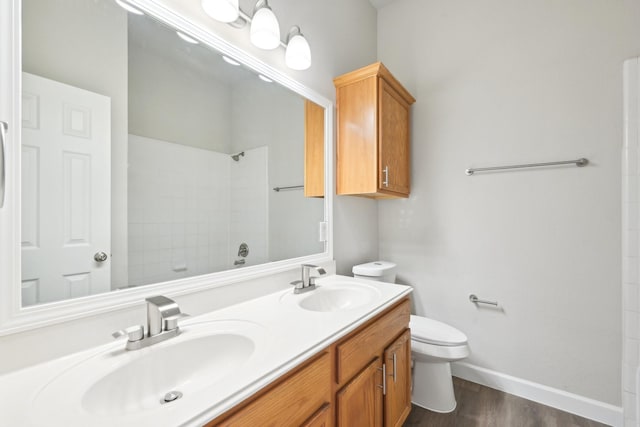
column 100, row 257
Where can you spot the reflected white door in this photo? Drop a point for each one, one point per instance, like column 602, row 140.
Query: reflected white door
column 66, row 194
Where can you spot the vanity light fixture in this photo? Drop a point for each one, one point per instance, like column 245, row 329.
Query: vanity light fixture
column 230, row 61
column 264, row 78
column 186, row 38
column 126, row 6
column 265, row 29
column 298, row 54
column 222, row 10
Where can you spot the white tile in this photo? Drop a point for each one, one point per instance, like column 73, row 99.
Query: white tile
column 629, row 402
column 630, row 161
column 630, row 239
column 631, row 215
column 630, row 291
column 630, row 270
column 631, row 351
column 631, row 324
column 628, row 378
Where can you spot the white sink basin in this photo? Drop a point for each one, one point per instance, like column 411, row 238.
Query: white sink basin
column 120, row 382
column 336, row 297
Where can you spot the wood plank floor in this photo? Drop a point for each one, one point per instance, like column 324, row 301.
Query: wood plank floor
column 480, row 406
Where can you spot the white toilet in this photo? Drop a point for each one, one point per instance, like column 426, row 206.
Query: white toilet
column 434, row 345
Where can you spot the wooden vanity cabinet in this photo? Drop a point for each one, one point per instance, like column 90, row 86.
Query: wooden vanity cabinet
column 373, row 372
column 297, row 399
column 364, row 379
column 373, row 134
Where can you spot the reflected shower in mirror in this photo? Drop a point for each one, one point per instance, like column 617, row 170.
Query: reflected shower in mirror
column 147, row 157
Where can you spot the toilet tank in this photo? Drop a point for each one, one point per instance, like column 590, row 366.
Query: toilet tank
column 382, row 271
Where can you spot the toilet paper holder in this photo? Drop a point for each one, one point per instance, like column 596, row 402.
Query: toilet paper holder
column 475, row 300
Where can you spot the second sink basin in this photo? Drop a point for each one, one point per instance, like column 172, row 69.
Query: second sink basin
column 337, row 297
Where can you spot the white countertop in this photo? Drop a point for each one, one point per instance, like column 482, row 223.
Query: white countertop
column 284, row 335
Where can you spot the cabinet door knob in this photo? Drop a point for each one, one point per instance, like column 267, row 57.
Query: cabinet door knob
column 386, row 176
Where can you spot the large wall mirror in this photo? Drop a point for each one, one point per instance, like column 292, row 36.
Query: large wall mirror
column 148, row 156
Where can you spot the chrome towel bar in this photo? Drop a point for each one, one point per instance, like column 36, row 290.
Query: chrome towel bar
column 474, row 299
column 578, row 162
column 291, row 187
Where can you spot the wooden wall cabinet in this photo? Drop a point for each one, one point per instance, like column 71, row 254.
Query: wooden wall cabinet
column 373, row 134
column 362, row 380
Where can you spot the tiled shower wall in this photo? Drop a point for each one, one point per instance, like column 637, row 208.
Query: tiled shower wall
column 630, row 239
column 180, row 208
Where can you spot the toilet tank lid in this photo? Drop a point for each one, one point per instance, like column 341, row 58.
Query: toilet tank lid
column 374, row 268
column 433, row 332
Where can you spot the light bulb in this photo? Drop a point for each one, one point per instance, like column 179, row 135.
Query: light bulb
column 298, row 54
column 265, row 30
column 222, row 10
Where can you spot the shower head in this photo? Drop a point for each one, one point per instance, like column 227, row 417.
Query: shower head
column 236, row 157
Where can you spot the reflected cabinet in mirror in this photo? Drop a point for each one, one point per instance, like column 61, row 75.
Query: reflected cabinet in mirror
column 147, row 157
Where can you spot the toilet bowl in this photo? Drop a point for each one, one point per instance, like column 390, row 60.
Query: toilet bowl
column 434, row 345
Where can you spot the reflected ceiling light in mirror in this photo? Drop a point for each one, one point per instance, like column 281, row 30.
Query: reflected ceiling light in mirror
column 126, row 6
column 186, row 38
column 265, row 30
column 222, row 10
column 265, row 79
column 298, row 53
column 230, row 61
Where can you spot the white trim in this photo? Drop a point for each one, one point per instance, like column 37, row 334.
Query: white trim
column 14, row 318
column 559, row 399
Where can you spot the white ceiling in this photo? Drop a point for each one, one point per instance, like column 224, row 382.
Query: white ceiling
column 380, row 3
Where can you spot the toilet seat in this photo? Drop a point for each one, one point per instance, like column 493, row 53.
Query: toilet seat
column 431, row 331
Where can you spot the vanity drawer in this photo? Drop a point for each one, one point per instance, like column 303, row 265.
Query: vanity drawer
column 289, row 402
column 364, row 345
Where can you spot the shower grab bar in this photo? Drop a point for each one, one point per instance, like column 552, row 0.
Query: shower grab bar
column 474, row 299
column 291, row 187
column 578, row 162
column 4, row 126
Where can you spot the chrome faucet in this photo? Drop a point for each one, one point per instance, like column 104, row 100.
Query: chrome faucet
column 308, row 282
column 162, row 323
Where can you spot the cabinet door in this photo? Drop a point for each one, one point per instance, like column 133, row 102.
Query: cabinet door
column 397, row 401
column 393, row 141
column 359, row 403
column 322, row 418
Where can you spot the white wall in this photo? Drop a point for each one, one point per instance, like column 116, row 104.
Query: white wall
column 501, row 82
column 177, row 101
column 52, row 48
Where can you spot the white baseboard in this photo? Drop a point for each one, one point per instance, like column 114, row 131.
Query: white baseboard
column 568, row 402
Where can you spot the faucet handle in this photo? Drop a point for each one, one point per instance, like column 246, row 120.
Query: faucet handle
column 133, row 333
column 170, row 323
column 297, row 283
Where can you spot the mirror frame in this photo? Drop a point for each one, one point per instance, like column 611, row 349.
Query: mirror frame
column 13, row 317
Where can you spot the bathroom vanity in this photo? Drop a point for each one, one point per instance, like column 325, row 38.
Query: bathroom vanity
column 362, row 379
column 337, row 355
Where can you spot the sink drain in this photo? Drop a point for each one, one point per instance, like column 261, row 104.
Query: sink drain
column 171, row 396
